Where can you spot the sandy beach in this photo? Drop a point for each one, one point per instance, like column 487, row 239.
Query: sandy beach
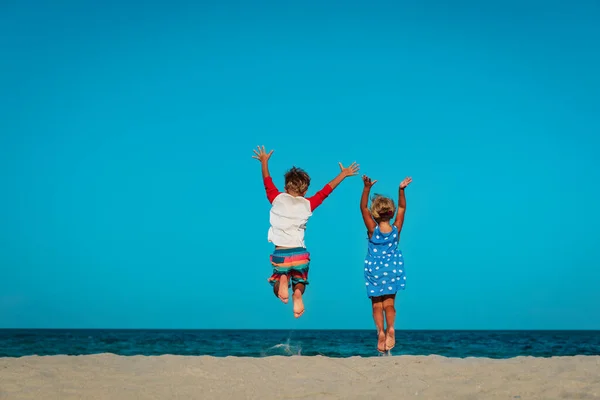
column 108, row 376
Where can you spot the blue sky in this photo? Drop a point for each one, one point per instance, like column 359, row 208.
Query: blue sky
column 130, row 198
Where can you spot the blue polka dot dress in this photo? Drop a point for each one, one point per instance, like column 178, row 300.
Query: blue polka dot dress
column 384, row 265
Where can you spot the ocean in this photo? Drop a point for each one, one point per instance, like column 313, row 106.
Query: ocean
column 262, row 343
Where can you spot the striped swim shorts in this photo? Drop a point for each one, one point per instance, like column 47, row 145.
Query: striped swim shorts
column 291, row 262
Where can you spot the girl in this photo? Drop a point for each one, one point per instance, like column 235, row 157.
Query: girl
column 384, row 265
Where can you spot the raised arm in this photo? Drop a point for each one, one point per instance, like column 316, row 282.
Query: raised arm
column 401, row 203
column 344, row 173
column 322, row 194
column 364, row 205
column 262, row 156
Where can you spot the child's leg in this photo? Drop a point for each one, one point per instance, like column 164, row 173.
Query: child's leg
column 377, row 304
column 285, row 262
column 280, row 288
column 297, row 298
column 299, row 276
column 390, row 319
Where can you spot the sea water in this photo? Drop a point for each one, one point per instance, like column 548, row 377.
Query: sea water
column 263, row 343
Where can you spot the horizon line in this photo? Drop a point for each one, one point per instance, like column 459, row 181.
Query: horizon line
column 306, row 329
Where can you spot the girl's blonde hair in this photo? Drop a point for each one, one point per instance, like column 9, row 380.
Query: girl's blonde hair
column 382, row 208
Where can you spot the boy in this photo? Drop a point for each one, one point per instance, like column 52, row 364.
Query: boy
column 290, row 211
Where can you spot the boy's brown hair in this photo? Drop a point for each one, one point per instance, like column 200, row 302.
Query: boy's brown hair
column 297, row 181
column 382, row 208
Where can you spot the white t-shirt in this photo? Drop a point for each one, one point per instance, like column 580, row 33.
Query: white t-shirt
column 289, row 214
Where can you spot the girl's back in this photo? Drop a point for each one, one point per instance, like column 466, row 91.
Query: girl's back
column 383, row 244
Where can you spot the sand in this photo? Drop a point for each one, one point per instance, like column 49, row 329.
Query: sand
column 108, row 376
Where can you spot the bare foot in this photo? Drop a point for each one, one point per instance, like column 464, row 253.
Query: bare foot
column 390, row 339
column 283, row 293
column 298, row 304
column 381, row 341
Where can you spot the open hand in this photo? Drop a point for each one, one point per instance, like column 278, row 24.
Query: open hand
column 262, row 155
column 349, row 171
column 368, row 182
column 405, row 182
